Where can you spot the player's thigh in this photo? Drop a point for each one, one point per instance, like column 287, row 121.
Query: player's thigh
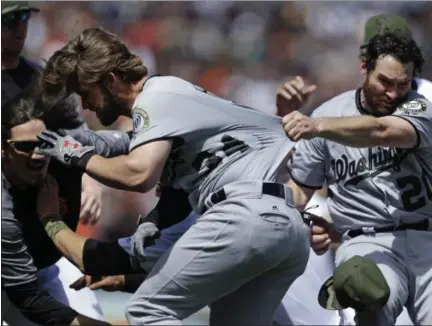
column 227, row 247
column 379, row 249
column 255, row 302
column 300, row 306
column 420, row 265
column 57, row 279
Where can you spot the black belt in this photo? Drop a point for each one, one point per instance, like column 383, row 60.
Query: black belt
column 419, row 226
column 271, row 189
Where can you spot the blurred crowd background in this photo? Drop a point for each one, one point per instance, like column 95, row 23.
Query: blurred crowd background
column 240, row 50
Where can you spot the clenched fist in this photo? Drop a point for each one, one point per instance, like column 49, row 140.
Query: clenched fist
column 323, row 234
column 299, row 126
column 293, row 95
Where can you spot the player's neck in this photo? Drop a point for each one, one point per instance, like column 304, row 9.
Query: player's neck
column 135, row 92
column 364, row 102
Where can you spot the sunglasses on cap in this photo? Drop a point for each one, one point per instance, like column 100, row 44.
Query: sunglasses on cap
column 26, row 146
column 12, row 18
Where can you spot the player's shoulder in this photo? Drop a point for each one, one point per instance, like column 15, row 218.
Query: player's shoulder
column 337, row 106
column 169, row 84
column 424, row 87
column 416, row 105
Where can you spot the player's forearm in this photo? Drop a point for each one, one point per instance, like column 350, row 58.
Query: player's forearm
column 118, row 173
column 107, row 143
column 70, row 244
column 361, row 131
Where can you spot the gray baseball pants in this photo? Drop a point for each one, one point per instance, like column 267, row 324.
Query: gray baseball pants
column 405, row 259
column 240, row 258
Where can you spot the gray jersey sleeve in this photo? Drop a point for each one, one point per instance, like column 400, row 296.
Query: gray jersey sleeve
column 418, row 112
column 17, row 266
column 308, row 164
column 108, row 143
column 158, row 114
column 155, row 119
column 307, row 167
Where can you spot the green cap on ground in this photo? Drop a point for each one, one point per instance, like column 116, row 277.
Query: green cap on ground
column 15, row 6
column 385, row 22
column 357, row 283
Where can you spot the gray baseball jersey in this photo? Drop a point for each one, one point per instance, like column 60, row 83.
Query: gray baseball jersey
column 376, row 186
column 215, row 141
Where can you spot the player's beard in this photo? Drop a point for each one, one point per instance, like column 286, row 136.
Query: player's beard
column 375, row 106
column 113, row 107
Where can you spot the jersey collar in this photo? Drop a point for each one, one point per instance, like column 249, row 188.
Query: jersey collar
column 359, row 104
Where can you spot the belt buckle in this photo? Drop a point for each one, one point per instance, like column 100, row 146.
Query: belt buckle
column 368, row 230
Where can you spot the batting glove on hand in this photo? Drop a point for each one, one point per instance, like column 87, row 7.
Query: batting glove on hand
column 64, row 149
column 144, row 236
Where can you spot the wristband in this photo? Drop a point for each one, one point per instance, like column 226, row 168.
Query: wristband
column 51, row 217
column 81, row 162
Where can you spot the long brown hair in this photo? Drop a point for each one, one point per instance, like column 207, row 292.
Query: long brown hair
column 85, row 61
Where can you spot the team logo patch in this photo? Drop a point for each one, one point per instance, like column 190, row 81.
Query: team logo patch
column 412, row 107
column 140, row 119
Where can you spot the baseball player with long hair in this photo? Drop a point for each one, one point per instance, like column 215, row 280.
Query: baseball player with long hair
column 226, row 157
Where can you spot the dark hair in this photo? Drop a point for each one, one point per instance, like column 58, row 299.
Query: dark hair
column 86, row 60
column 399, row 46
column 26, row 106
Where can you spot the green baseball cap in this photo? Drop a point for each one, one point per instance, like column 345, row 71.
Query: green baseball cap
column 385, row 22
column 357, row 283
column 14, row 6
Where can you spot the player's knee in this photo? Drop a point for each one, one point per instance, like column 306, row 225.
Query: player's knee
column 135, row 311
column 389, row 313
column 140, row 311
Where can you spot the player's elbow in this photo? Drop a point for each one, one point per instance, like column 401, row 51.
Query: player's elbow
column 138, row 177
column 394, row 131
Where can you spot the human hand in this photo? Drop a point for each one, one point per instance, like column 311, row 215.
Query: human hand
column 323, row 234
column 299, row 126
column 91, row 200
column 106, row 283
column 65, row 149
column 293, row 95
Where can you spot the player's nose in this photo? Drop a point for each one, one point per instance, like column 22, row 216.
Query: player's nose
column 392, row 94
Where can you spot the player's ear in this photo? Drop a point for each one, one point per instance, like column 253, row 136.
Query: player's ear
column 111, row 80
column 363, row 68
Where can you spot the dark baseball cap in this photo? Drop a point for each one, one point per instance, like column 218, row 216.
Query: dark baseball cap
column 15, row 6
column 383, row 23
column 357, row 283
